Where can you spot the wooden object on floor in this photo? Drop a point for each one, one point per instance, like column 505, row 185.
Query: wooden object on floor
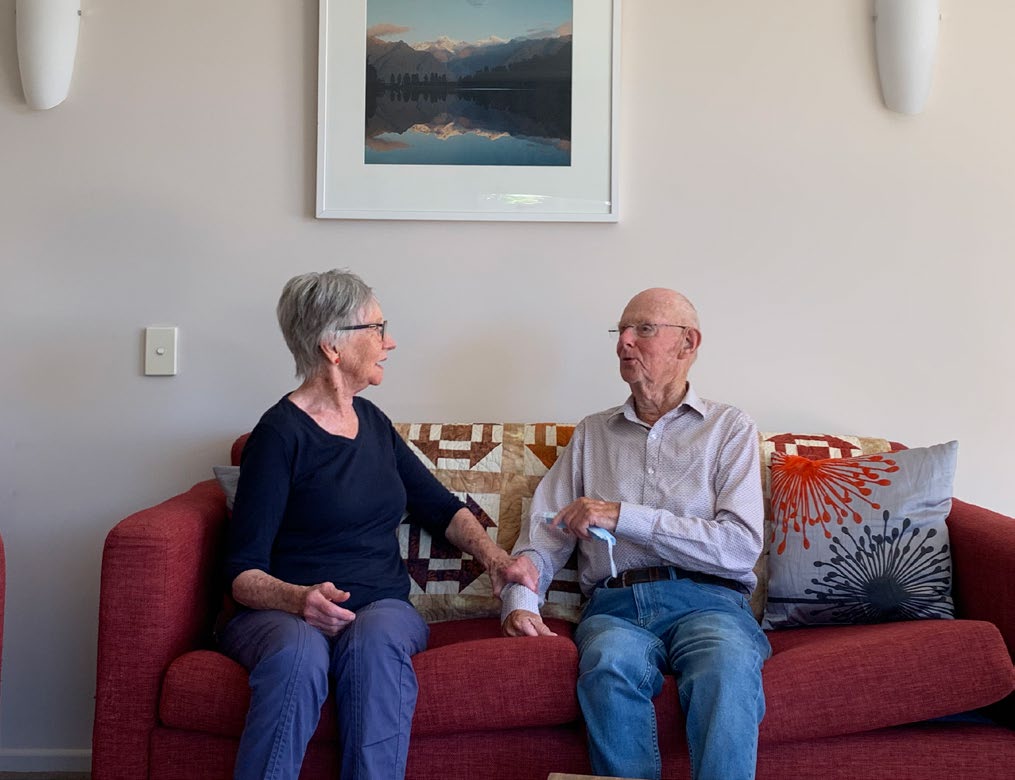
column 562, row 776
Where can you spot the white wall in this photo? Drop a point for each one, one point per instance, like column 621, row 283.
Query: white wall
column 852, row 267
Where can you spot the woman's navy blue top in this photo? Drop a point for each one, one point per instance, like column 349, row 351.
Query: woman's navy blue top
column 314, row 507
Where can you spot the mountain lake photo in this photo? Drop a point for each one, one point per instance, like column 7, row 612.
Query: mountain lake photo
column 468, row 82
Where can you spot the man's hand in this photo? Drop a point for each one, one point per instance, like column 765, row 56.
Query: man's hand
column 507, row 568
column 521, row 622
column 584, row 512
column 321, row 610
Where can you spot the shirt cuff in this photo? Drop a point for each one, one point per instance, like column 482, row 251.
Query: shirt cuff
column 635, row 522
column 515, row 596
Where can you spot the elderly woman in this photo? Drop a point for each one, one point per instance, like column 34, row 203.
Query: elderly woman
column 313, row 555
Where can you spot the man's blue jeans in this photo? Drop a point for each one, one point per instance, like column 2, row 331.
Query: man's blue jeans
column 290, row 663
column 707, row 635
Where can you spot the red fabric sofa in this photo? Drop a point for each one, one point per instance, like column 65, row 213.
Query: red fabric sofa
column 842, row 702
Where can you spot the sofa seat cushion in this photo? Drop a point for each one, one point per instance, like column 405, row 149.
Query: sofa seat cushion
column 832, row 681
column 496, row 684
column 473, row 684
column 820, row 682
column 207, row 692
column 826, row 681
column 453, row 631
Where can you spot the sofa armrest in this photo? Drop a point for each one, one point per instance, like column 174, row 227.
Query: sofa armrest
column 160, row 570
column 983, row 564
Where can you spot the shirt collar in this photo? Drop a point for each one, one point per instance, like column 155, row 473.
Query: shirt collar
column 691, row 400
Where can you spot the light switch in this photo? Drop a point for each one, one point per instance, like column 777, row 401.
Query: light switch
column 160, row 351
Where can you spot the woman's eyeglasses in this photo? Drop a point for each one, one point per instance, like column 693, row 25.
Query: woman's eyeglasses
column 380, row 327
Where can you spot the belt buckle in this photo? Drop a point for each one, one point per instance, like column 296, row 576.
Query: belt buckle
column 620, row 581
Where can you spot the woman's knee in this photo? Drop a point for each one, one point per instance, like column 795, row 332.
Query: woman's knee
column 389, row 628
column 297, row 655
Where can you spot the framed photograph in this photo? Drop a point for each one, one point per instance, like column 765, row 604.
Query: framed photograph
column 468, row 109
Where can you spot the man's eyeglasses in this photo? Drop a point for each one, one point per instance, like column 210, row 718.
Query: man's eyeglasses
column 643, row 330
column 380, row 327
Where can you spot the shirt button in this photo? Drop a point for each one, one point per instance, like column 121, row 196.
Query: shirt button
column 653, row 436
column 651, row 471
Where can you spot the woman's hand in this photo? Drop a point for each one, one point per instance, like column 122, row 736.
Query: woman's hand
column 321, row 610
column 466, row 533
column 521, row 622
column 316, row 604
column 507, row 568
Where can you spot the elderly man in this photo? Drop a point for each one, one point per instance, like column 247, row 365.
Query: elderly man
column 674, row 477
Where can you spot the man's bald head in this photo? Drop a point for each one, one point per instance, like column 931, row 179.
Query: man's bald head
column 671, row 306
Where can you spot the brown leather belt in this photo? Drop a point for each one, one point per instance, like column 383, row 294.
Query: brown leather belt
column 662, row 573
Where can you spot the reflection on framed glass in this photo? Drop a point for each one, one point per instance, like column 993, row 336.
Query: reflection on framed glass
column 468, row 109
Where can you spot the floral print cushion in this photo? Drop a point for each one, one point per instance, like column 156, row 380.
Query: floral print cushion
column 860, row 539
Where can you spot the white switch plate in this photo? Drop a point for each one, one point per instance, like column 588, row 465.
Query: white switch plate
column 160, row 351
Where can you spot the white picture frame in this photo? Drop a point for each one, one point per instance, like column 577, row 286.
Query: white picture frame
column 583, row 191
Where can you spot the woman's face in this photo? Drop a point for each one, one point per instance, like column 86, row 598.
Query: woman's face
column 364, row 351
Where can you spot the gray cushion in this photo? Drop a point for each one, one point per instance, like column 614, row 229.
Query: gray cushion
column 228, row 478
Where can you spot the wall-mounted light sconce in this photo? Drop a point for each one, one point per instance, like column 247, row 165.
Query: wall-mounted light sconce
column 47, row 33
column 905, row 36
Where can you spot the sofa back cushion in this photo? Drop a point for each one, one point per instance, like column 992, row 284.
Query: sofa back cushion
column 495, row 468
column 808, row 445
column 861, row 539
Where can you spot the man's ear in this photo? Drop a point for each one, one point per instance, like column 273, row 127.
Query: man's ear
column 692, row 340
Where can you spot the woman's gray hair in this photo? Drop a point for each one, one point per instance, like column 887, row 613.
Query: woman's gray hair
column 313, row 307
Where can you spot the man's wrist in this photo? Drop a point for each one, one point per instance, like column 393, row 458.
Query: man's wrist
column 516, row 596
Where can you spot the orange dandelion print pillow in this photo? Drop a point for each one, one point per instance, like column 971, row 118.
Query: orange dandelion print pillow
column 860, row 540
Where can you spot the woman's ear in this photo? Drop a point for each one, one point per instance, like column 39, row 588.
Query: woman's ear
column 331, row 353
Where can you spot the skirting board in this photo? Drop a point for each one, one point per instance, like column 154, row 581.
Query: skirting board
column 41, row 760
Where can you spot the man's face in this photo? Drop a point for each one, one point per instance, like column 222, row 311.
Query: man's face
column 655, row 360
